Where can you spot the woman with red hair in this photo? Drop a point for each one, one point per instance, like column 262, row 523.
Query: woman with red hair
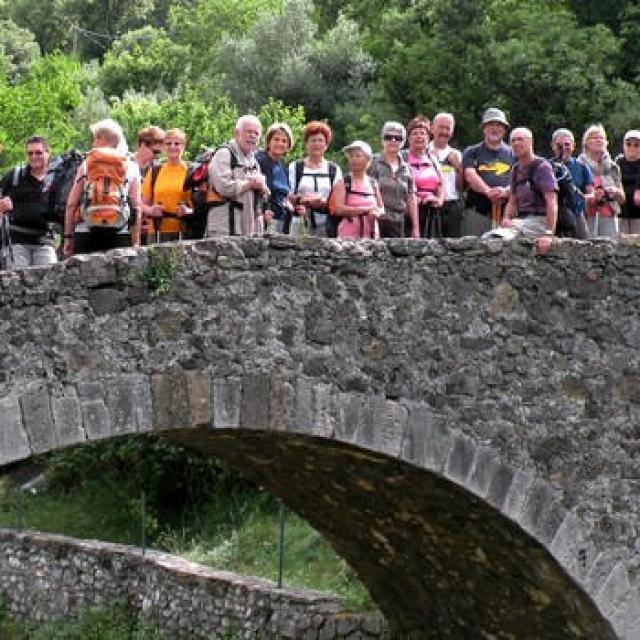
column 312, row 179
column 426, row 176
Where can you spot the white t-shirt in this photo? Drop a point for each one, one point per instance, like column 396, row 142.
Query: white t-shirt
column 313, row 180
column 447, row 170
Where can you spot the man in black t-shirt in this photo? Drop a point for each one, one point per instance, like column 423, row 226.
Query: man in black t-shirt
column 629, row 163
column 487, row 171
column 26, row 202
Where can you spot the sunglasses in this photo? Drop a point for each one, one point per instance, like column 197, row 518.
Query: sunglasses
column 35, row 153
column 388, row 137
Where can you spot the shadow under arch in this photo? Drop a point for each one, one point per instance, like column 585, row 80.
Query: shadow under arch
column 440, row 561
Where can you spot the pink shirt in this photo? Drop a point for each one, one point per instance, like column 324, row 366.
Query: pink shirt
column 425, row 174
column 361, row 194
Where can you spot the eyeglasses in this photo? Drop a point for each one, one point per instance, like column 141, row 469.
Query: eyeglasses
column 175, row 143
column 388, row 137
column 35, row 153
column 565, row 145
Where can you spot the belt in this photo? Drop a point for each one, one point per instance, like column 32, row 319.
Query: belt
column 531, row 214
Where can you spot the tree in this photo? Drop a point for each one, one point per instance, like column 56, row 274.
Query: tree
column 43, row 103
column 18, row 50
column 318, row 72
column 143, row 60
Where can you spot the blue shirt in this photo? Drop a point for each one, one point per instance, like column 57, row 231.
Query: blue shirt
column 582, row 177
column 279, row 191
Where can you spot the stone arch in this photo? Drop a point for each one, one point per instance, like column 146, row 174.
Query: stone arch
column 451, row 539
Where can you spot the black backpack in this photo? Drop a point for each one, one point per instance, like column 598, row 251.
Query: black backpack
column 197, row 182
column 59, row 179
column 332, row 221
column 566, row 223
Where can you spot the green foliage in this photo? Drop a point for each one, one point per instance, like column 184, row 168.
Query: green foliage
column 144, row 60
column 160, row 271
column 18, row 50
column 118, row 622
column 43, row 103
column 319, row 72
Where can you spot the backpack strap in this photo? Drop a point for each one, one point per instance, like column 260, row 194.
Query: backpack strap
column 299, row 167
column 333, row 170
column 18, row 175
column 155, row 172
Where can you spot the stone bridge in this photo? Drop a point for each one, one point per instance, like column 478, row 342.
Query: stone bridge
column 460, row 420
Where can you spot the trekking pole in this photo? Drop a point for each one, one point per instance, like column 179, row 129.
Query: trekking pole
column 281, row 517
column 143, row 522
column 496, row 214
column 18, row 508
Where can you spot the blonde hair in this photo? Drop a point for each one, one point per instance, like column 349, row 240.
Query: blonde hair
column 110, row 131
column 592, row 130
column 176, row 133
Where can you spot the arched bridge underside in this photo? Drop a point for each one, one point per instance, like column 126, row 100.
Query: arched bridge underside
column 460, row 420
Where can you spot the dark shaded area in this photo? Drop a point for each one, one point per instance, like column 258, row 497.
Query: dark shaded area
column 440, row 562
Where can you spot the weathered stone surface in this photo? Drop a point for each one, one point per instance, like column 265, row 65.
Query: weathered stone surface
column 38, row 420
column 14, row 444
column 506, row 379
column 48, row 577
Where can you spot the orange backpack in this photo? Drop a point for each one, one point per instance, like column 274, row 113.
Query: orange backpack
column 105, row 201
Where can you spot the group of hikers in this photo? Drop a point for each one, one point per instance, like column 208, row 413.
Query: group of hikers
column 416, row 186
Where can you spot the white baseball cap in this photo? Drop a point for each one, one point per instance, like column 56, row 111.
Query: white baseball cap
column 359, row 144
column 632, row 133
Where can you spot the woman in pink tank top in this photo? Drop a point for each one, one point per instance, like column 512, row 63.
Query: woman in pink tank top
column 357, row 197
column 425, row 169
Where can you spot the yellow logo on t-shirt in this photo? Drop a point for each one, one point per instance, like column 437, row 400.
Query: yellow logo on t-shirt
column 497, row 167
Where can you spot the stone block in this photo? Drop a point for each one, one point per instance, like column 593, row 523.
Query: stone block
column 67, row 420
column 227, row 395
column 460, row 459
column 315, row 411
column 96, row 419
column 537, row 502
column 282, row 404
column 14, row 443
column 143, row 406
column 254, row 407
column 38, row 420
column 500, row 485
column 171, row 408
column 349, row 415
column 626, row 618
column 391, row 431
column 600, row 569
column 370, row 424
column 200, row 398
column 417, row 433
column 571, row 548
column 614, row 590
column 121, row 405
column 439, row 444
column 513, row 503
column 483, row 471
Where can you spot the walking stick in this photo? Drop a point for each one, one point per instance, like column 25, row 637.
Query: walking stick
column 496, row 214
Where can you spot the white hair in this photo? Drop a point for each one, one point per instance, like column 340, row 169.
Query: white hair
column 112, row 131
column 562, row 133
column 443, row 115
column 522, row 131
column 247, row 119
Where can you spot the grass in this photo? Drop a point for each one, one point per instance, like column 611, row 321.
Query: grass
column 235, row 531
column 114, row 623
